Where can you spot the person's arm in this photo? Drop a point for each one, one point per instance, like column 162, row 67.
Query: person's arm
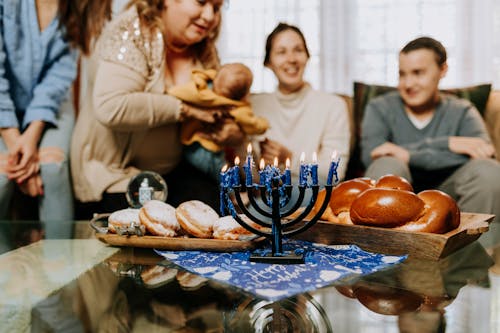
column 374, row 132
column 7, row 111
column 471, row 140
column 335, row 138
column 121, row 103
column 53, row 88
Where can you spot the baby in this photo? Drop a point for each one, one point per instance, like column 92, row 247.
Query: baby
column 229, row 87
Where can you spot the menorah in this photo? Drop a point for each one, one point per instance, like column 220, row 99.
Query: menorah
column 270, row 200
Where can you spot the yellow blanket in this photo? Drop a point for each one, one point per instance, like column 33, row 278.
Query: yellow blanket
column 199, row 93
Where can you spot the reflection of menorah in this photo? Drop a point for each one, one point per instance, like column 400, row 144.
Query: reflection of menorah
column 275, row 192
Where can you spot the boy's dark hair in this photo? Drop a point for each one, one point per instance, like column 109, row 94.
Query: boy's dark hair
column 429, row 44
column 280, row 28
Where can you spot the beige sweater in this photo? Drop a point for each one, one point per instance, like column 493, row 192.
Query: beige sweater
column 307, row 121
column 129, row 124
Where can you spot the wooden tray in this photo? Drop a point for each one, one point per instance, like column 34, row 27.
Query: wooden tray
column 170, row 243
column 398, row 242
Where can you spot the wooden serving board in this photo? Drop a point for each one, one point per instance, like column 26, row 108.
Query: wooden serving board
column 178, row 243
column 398, row 242
column 100, row 221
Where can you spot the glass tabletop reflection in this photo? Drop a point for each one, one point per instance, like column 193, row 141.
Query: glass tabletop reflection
column 78, row 284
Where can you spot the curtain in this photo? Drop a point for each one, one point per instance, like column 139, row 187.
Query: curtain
column 359, row 40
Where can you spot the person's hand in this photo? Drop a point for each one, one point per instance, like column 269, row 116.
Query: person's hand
column 209, row 116
column 391, row 149
column 33, row 186
column 269, row 149
column 23, row 160
column 473, row 147
column 225, row 133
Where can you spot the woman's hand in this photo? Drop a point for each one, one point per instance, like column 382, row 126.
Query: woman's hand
column 209, row 116
column 225, row 133
column 269, row 149
column 23, row 154
column 33, row 186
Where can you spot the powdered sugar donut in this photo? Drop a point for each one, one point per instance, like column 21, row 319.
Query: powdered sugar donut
column 227, row 227
column 123, row 219
column 196, row 218
column 159, row 218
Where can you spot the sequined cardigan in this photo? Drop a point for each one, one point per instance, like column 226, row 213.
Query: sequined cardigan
column 128, row 123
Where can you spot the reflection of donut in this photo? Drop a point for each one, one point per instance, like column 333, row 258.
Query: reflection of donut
column 189, row 281
column 159, row 218
column 157, row 275
column 196, row 218
column 123, row 219
column 386, row 300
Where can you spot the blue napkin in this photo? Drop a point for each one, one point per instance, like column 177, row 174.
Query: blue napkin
column 324, row 264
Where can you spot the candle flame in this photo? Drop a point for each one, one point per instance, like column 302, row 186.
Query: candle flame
column 315, row 157
column 275, row 161
column 334, row 155
column 262, row 164
column 237, row 160
column 302, row 157
column 287, row 163
column 224, row 168
column 249, row 149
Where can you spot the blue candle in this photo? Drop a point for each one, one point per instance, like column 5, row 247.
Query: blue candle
column 236, row 172
column 288, row 173
column 224, row 178
column 302, row 171
column 333, row 170
column 314, row 169
column 261, row 172
column 248, row 166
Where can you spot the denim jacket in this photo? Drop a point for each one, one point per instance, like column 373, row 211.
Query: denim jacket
column 36, row 68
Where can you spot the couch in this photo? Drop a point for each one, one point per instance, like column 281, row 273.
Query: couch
column 487, row 101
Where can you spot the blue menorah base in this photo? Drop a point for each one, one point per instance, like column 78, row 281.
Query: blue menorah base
column 287, row 257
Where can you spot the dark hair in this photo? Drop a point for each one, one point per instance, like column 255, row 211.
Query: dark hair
column 429, row 44
column 280, row 28
column 83, row 20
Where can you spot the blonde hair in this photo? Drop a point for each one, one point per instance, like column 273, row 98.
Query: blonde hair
column 150, row 12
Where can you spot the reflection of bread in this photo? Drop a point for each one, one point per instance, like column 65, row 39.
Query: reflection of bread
column 159, row 218
column 227, row 227
column 196, row 218
column 391, row 203
column 123, row 218
column 387, row 300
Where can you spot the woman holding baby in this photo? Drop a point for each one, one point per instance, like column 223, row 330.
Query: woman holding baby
column 132, row 124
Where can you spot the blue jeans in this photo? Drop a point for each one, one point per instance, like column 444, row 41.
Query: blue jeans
column 204, row 160
column 57, row 202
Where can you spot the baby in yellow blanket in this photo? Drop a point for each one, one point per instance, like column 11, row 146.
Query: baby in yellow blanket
column 227, row 88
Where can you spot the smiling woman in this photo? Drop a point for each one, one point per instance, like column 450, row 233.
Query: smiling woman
column 301, row 119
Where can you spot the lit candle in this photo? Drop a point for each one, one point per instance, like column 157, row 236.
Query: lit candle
column 333, row 169
column 236, row 171
column 314, row 169
column 248, row 166
column 288, row 174
column 302, row 171
column 224, row 179
column 262, row 165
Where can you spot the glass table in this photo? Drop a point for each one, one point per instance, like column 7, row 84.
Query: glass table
column 83, row 285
